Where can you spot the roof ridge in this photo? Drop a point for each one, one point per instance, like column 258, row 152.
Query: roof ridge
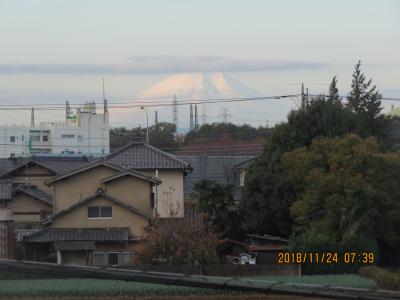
column 88, row 199
column 87, row 166
column 175, row 157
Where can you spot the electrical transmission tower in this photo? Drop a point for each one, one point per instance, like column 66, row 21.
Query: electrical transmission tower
column 225, row 115
column 203, row 115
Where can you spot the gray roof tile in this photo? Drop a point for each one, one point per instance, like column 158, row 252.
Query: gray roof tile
column 35, row 193
column 79, row 234
column 142, row 156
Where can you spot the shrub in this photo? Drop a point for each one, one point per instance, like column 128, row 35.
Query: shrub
column 386, row 279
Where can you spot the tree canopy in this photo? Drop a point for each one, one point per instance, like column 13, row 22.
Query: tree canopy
column 217, row 207
column 161, row 135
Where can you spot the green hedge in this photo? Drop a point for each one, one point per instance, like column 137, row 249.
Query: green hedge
column 386, row 279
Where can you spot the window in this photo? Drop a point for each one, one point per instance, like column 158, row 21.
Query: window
column 35, row 138
column 113, row 258
column 96, row 212
column 68, row 136
column 79, row 138
column 45, row 138
column 22, row 137
column 99, row 258
column 12, row 139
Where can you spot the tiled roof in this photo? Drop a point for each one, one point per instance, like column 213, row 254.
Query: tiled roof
column 142, row 156
column 132, row 173
column 93, row 164
column 79, row 234
column 35, row 193
column 56, row 164
column 5, row 190
column 99, row 193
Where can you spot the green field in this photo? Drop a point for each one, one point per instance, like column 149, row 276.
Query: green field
column 93, row 288
column 344, row 280
column 118, row 288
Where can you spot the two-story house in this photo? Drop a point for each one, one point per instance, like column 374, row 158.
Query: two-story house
column 169, row 195
column 100, row 212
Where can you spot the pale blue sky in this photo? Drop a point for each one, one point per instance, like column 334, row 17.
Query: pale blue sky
column 268, row 45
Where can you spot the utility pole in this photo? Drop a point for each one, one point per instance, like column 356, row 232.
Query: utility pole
column 196, row 119
column 175, row 111
column 191, row 116
column 303, row 96
column 307, row 100
column 147, row 123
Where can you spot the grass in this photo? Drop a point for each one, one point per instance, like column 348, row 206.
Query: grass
column 95, row 288
column 343, row 280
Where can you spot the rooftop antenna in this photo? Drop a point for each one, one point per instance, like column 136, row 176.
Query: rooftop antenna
column 175, row 111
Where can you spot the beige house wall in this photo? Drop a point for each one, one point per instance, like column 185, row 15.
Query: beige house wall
column 25, row 204
column 122, row 217
column 72, row 189
column 133, row 191
column 169, row 194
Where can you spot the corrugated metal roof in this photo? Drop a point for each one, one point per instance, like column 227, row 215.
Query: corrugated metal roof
column 5, row 190
column 218, row 168
column 142, row 156
column 79, row 234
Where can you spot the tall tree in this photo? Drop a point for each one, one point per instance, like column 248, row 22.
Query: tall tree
column 334, row 91
column 363, row 97
column 217, row 206
column 267, row 195
column 346, row 190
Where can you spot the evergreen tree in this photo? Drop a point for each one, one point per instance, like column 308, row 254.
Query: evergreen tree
column 334, row 92
column 363, row 98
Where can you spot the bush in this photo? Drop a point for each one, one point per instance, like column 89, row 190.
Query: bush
column 386, row 279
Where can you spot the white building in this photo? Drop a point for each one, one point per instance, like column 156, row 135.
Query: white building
column 85, row 132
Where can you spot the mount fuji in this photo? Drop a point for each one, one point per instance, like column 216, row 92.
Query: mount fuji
column 203, row 86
